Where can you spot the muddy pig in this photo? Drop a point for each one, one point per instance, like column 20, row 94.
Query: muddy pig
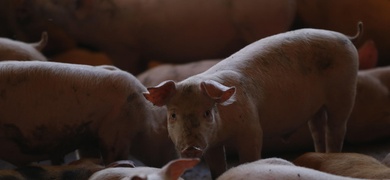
column 132, row 32
column 269, row 88
column 276, row 168
column 49, row 109
column 17, row 50
column 345, row 164
column 172, row 171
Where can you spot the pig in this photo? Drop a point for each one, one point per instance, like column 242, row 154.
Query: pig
column 132, row 32
column 17, row 50
column 49, row 109
column 171, row 171
column 276, row 168
column 20, row 22
column 269, row 88
column 364, row 124
column 176, row 72
column 345, row 164
column 368, row 57
column 368, row 121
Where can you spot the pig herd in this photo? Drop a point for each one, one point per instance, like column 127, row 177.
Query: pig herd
column 301, row 86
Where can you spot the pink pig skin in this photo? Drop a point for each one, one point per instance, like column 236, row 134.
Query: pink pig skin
column 49, row 109
column 171, row 171
column 17, row 50
column 268, row 89
column 275, row 168
column 368, row 122
column 345, row 164
column 135, row 31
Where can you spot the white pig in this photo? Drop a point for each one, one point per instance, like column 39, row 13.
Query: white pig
column 17, row 50
column 276, row 168
column 269, row 88
column 172, row 171
column 49, row 109
column 345, row 164
column 132, row 32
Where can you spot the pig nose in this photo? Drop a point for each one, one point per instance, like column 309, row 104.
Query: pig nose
column 192, row 152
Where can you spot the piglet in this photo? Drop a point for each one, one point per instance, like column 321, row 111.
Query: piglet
column 49, row 109
column 171, row 171
column 276, row 168
column 17, row 50
column 345, row 164
column 269, row 88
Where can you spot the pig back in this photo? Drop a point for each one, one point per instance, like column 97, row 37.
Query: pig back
column 17, row 50
column 47, row 106
column 293, row 72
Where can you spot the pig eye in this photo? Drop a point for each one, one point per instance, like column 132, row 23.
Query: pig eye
column 207, row 114
column 173, row 116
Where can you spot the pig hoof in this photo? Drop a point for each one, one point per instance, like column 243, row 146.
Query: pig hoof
column 192, row 152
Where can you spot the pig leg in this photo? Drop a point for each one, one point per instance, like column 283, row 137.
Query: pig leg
column 317, row 129
column 249, row 146
column 336, row 127
column 114, row 149
column 216, row 160
column 115, row 140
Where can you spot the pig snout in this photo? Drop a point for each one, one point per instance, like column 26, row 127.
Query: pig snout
column 192, row 152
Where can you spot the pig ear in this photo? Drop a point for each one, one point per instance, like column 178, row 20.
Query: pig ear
column 160, row 94
column 220, row 93
column 175, row 168
column 368, row 55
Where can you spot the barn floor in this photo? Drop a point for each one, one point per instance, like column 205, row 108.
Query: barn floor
column 378, row 150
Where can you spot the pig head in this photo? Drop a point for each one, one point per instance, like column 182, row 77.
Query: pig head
column 192, row 126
